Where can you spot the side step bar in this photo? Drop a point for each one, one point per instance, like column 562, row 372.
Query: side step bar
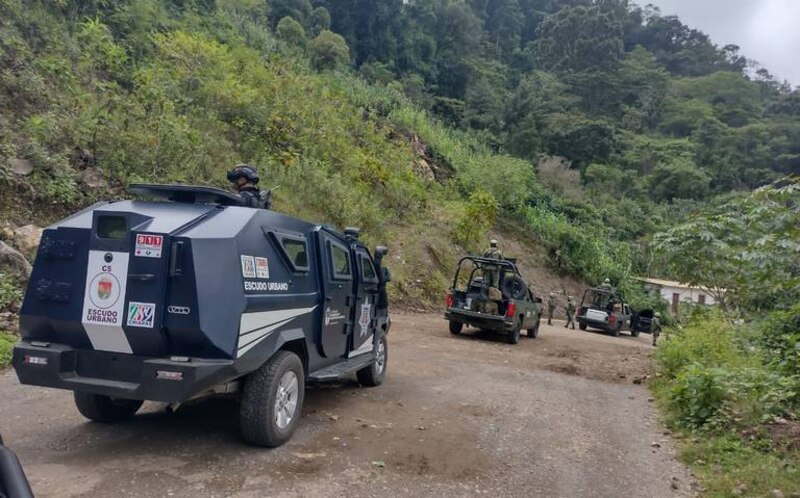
column 339, row 370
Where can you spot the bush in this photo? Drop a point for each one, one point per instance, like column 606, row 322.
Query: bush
column 780, row 336
column 706, row 340
column 10, row 294
column 7, row 342
column 329, row 51
column 713, row 378
column 291, row 32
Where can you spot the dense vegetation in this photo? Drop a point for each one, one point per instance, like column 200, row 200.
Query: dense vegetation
column 737, row 384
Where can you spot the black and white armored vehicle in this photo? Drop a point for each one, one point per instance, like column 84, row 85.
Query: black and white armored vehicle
column 193, row 294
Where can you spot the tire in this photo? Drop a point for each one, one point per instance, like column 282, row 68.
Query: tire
column 105, row 409
column 582, row 326
column 617, row 330
column 514, row 287
column 534, row 332
column 513, row 335
column 374, row 374
column 456, row 327
column 272, row 401
column 634, row 333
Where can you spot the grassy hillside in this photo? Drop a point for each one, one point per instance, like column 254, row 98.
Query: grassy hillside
column 97, row 96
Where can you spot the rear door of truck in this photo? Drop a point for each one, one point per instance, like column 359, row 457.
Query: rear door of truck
column 126, row 279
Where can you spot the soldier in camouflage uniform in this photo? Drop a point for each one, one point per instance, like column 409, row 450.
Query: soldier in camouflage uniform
column 606, row 285
column 570, row 313
column 656, row 327
column 551, row 308
column 490, row 272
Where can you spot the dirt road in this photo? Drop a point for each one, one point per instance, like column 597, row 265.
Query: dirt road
column 558, row 416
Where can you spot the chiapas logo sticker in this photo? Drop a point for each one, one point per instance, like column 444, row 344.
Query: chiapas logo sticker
column 141, row 315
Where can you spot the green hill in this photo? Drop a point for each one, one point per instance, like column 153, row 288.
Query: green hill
column 428, row 124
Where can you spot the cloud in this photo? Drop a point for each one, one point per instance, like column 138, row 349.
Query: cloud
column 765, row 29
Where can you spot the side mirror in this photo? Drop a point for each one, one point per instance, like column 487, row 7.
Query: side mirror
column 381, row 251
column 386, row 275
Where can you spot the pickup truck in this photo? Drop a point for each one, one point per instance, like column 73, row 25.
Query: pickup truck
column 472, row 300
column 605, row 310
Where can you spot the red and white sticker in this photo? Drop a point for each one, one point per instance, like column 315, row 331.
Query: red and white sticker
column 262, row 267
column 148, row 246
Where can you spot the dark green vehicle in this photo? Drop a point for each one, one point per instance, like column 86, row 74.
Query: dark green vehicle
column 509, row 307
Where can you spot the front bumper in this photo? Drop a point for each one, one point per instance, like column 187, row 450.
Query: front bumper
column 480, row 320
column 117, row 375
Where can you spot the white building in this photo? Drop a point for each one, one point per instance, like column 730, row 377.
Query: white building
column 675, row 292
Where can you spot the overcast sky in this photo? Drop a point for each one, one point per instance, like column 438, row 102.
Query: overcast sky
column 768, row 31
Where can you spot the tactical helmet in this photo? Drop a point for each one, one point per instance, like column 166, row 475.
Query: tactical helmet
column 552, row 294
column 243, row 171
column 658, row 315
column 606, row 281
column 493, row 243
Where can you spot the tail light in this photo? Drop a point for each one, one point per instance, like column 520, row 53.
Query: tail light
column 511, row 310
column 450, row 300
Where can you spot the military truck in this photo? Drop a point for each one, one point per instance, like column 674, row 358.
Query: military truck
column 605, row 309
column 191, row 294
column 474, row 301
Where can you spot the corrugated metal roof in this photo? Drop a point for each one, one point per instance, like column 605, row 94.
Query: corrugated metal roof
column 669, row 283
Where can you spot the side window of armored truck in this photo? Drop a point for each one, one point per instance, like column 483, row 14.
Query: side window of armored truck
column 368, row 273
column 339, row 259
column 294, row 248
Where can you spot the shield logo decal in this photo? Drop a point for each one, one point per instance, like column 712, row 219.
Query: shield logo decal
column 104, row 288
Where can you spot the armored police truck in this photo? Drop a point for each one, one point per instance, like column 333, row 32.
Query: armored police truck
column 192, row 294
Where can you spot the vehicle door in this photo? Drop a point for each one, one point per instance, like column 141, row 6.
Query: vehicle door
column 337, row 286
column 626, row 318
column 366, row 295
column 530, row 314
column 125, row 286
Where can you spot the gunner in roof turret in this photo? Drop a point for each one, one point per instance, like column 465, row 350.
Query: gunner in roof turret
column 244, row 179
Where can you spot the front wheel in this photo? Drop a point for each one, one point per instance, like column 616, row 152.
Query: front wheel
column 272, row 400
column 617, row 329
column 456, row 327
column 634, row 332
column 105, row 409
column 582, row 326
column 374, row 374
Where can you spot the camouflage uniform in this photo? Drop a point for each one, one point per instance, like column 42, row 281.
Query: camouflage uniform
column 490, row 272
column 570, row 314
column 551, row 308
column 656, row 328
column 606, row 285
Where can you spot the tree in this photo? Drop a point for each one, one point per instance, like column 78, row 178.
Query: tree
column 329, row 51
column 320, row 20
column 679, row 179
column 579, row 38
column 291, row 32
column 300, row 10
column 743, row 252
